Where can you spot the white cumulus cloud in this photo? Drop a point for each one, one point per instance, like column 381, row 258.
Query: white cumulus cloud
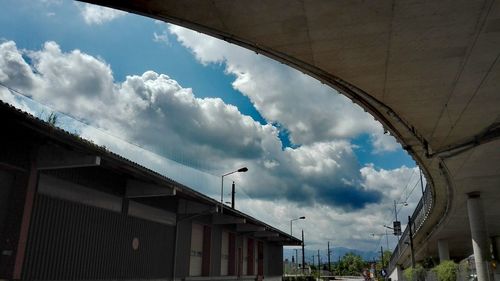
column 321, row 178
column 95, row 15
column 310, row 111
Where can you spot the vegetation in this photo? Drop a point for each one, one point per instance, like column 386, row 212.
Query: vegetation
column 52, row 119
column 446, row 271
column 428, row 263
column 415, row 274
column 350, row 264
column 387, row 258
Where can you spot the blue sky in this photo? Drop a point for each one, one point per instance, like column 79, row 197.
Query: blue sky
column 318, row 151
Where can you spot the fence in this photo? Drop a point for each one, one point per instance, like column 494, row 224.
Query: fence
column 422, row 211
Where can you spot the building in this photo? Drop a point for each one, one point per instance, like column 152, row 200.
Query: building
column 72, row 210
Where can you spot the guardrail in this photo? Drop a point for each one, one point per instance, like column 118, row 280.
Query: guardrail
column 418, row 218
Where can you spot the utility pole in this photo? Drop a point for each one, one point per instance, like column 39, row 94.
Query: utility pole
column 382, row 256
column 297, row 257
column 329, row 264
column 319, row 261
column 313, row 260
column 303, row 253
column 421, row 184
column 411, row 243
column 232, row 196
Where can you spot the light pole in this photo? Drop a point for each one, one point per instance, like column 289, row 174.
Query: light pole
column 395, row 211
column 240, row 170
column 291, row 221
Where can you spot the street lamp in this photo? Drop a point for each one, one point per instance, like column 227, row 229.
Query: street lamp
column 240, row 170
column 291, row 221
column 395, row 211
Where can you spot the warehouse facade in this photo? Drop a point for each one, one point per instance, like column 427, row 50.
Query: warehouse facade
column 72, row 210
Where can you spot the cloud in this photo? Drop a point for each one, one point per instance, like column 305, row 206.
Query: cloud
column 166, row 113
column 96, row 15
column 156, row 112
column 383, row 143
column 321, row 179
column 310, row 111
column 161, row 37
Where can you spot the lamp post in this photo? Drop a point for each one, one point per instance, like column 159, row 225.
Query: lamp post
column 291, row 221
column 240, row 170
column 395, row 211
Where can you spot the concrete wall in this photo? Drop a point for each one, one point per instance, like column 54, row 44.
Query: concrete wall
column 396, row 274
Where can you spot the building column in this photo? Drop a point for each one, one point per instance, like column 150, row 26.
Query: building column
column 444, row 250
column 479, row 235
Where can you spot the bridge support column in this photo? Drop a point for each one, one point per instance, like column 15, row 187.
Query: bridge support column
column 479, row 235
column 444, row 250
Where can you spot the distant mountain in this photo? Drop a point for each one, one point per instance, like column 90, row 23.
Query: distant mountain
column 337, row 252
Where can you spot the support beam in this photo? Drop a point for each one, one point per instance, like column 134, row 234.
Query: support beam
column 29, row 199
column 51, row 157
column 479, row 235
column 136, row 189
column 276, row 239
column 186, row 207
column 226, row 219
column 265, row 234
column 444, row 250
column 249, row 228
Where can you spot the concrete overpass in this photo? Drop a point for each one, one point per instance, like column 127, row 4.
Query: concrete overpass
column 428, row 70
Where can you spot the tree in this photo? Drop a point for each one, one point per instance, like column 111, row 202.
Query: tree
column 387, row 259
column 446, row 271
column 350, row 264
column 415, row 274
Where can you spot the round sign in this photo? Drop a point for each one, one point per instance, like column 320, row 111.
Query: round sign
column 135, row 243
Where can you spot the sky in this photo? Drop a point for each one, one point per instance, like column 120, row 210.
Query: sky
column 194, row 107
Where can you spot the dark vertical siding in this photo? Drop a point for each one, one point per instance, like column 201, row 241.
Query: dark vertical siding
column 11, row 225
column 70, row 241
column 232, row 251
column 216, row 250
column 183, row 248
column 274, row 259
column 260, row 257
column 251, row 257
column 207, row 239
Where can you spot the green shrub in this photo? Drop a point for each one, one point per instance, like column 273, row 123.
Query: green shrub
column 415, row 274
column 446, row 271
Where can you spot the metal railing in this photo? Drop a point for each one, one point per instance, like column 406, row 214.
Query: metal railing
column 422, row 211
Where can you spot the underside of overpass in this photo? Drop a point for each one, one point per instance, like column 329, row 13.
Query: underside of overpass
column 427, row 70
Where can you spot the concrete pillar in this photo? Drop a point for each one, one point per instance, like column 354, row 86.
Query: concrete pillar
column 444, row 250
column 479, row 235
